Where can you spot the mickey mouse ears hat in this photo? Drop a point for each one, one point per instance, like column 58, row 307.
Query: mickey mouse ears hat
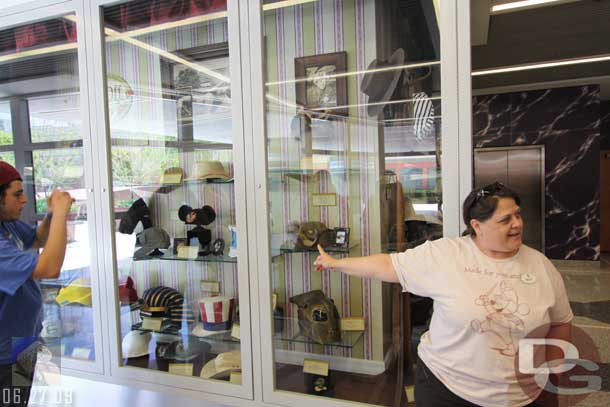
column 8, row 173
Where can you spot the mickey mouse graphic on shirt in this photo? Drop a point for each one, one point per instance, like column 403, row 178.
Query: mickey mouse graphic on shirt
column 503, row 317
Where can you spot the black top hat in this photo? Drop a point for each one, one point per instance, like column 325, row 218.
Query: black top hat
column 379, row 85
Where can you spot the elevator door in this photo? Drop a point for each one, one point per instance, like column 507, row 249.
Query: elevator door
column 521, row 169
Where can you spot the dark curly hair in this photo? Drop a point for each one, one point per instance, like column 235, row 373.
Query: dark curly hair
column 481, row 203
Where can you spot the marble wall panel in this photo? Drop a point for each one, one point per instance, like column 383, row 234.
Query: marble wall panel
column 567, row 122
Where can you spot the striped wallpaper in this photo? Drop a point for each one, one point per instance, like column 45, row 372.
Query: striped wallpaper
column 311, row 29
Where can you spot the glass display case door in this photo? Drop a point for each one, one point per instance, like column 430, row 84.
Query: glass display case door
column 358, row 100
column 45, row 132
column 168, row 79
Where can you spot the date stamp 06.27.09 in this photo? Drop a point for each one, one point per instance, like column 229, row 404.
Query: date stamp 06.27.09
column 54, row 396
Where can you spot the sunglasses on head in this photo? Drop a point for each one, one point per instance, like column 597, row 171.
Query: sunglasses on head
column 490, row 189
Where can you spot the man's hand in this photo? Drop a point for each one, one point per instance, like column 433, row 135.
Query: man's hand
column 324, row 261
column 59, row 202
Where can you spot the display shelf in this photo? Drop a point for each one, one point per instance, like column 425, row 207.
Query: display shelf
column 65, row 277
column 330, row 249
column 73, row 346
column 168, row 255
column 298, row 174
column 166, row 188
column 222, row 336
column 349, row 339
column 209, row 181
column 185, row 181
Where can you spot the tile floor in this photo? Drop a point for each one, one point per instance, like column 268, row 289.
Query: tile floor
column 588, row 288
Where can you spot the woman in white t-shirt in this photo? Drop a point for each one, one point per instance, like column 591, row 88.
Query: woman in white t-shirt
column 489, row 291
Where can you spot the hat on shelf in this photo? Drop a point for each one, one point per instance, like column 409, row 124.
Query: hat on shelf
column 78, row 291
column 180, row 314
column 380, row 80
column 138, row 212
column 222, row 366
column 127, row 292
column 208, row 170
column 162, row 297
column 202, row 216
column 135, row 344
column 185, row 349
column 313, row 233
column 411, row 215
column 217, row 313
column 152, row 312
column 318, row 317
column 150, row 240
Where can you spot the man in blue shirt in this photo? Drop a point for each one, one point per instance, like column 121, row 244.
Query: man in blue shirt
column 21, row 265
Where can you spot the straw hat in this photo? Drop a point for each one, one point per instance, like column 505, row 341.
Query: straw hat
column 222, row 366
column 208, row 170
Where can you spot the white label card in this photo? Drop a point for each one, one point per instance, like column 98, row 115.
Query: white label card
column 324, row 199
column 154, row 324
column 235, row 378
column 208, row 285
column 81, row 353
column 188, row 252
column 235, row 331
column 181, row 369
column 352, row 324
column 313, row 366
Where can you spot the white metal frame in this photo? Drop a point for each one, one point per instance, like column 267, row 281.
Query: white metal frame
column 31, row 12
column 463, row 62
column 450, row 167
column 130, row 374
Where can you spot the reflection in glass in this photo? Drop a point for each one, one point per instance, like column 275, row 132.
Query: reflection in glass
column 353, row 115
column 170, row 110
column 6, row 128
column 39, row 84
column 8, row 156
column 55, row 117
column 59, row 168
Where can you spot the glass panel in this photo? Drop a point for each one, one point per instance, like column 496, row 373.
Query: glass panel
column 353, row 121
column 6, row 128
column 39, row 81
column 59, row 168
column 8, row 156
column 55, row 118
column 170, row 111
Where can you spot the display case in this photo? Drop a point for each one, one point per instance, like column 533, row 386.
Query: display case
column 44, row 122
column 352, row 135
column 176, row 187
column 211, row 145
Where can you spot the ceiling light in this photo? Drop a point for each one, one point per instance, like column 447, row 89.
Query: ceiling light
column 542, row 65
column 504, row 7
